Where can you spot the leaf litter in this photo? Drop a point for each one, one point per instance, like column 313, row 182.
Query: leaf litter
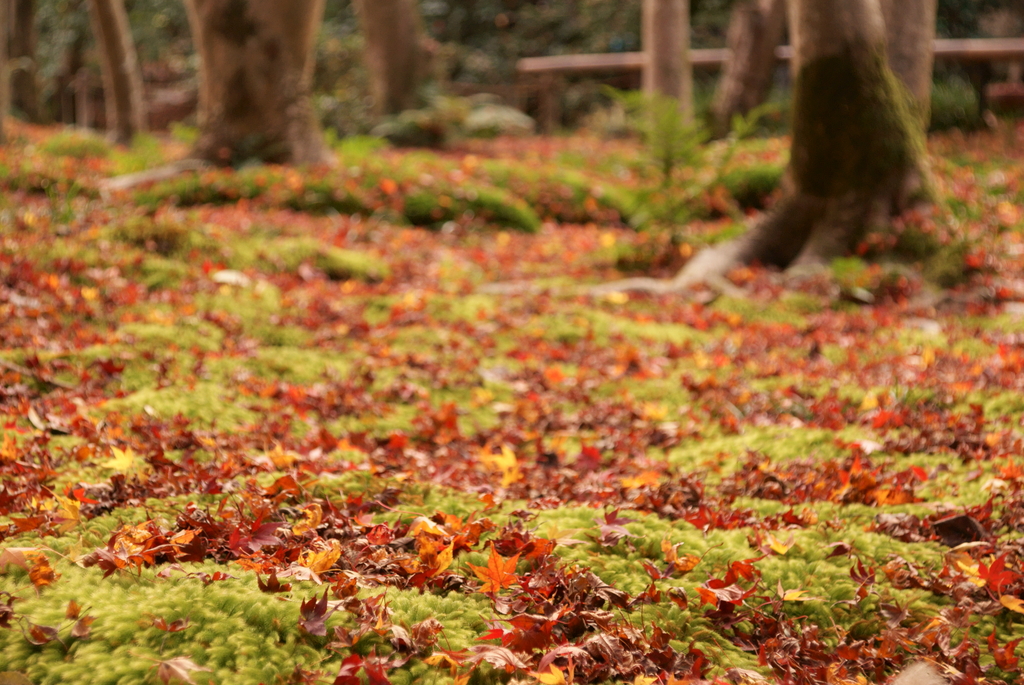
column 634, row 489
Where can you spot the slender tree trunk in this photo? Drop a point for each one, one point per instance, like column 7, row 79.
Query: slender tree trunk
column 910, row 34
column 24, row 90
column 122, row 75
column 5, row 84
column 755, row 29
column 255, row 76
column 392, row 31
column 666, row 40
column 857, row 154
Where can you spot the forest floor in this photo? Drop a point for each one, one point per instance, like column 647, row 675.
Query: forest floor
column 259, row 428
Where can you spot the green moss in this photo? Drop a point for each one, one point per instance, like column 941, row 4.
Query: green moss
column 163, row 236
column 206, row 403
column 751, row 186
column 76, row 144
column 182, row 336
column 159, row 273
column 242, row 635
column 947, row 267
column 295, row 364
column 341, row 265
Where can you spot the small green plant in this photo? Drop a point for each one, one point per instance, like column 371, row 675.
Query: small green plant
column 162, row 236
column 144, row 153
column 77, row 144
column 670, row 138
column 62, row 210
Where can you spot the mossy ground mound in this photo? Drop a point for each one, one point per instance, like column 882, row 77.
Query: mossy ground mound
column 197, row 402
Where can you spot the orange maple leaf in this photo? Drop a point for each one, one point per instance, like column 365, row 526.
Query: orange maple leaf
column 499, row 573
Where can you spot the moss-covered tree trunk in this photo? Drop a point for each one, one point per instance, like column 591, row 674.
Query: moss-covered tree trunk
column 255, row 76
column 666, row 41
column 755, row 29
column 24, row 90
column 910, row 35
column 857, row 154
column 5, row 90
column 122, row 74
column 394, row 54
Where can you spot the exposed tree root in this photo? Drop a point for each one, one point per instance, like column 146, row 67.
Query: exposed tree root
column 801, row 231
column 161, row 173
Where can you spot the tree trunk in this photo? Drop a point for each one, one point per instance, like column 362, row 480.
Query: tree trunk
column 910, row 32
column 5, row 90
column 666, row 40
column 857, row 154
column 255, row 76
column 122, row 75
column 392, row 29
column 24, row 90
column 755, row 29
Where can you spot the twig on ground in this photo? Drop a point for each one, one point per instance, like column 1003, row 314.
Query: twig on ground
column 25, row 371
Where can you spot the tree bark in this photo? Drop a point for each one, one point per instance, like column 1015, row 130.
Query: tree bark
column 392, row 31
column 857, row 154
column 910, row 32
column 666, row 40
column 24, row 90
column 5, row 90
column 755, row 29
column 122, row 75
column 255, row 77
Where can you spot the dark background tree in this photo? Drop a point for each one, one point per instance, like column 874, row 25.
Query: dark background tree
column 392, row 33
column 24, row 87
column 756, row 27
column 5, row 91
column 122, row 74
column 256, row 60
column 666, row 40
column 857, row 155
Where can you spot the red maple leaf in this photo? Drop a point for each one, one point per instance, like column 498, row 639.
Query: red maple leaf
column 498, row 574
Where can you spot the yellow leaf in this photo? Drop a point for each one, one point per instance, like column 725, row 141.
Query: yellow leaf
column 972, row 572
column 796, row 596
column 424, row 525
column 617, row 298
column 505, row 462
column 321, row 556
column 607, row 239
column 123, row 460
column 870, row 402
column 312, row 516
column 778, row 547
column 444, row 559
column 281, row 458
column 90, row 294
column 8, row 448
column 69, row 510
column 553, row 677
column 646, row 478
column 644, row 680
column 443, row 660
column 654, row 411
column 1012, row 603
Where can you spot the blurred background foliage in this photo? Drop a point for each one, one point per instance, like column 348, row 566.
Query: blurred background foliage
column 477, row 45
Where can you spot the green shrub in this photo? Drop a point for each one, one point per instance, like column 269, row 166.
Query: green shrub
column 162, row 236
column 76, row 144
column 954, row 105
column 343, row 265
column 751, row 186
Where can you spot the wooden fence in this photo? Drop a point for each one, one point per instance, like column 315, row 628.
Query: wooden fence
column 544, row 76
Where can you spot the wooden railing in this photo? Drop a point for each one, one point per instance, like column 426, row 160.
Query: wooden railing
column 543, row 75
